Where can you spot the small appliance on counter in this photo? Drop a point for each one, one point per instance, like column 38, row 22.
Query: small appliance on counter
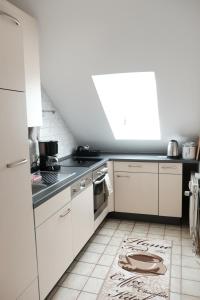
column 172, row 149
column 86, row 151
column 189, row 150
column 48, row 156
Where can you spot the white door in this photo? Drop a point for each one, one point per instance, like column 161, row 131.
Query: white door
column 170, row 195
column 54, row 249
column 11, row 54
column 82, row 219
column 17, row 239
column 136, row 193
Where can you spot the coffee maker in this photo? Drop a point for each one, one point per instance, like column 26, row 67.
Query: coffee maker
column 48, row 156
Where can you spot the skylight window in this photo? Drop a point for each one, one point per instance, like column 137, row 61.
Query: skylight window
column 130, row 104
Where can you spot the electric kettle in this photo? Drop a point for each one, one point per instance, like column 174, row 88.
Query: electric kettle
column 172, row 149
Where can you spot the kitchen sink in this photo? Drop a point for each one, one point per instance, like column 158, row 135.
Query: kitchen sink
column 36, row 188
column 49, row 179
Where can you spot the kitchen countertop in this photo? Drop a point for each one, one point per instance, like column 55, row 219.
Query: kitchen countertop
column 51, row 191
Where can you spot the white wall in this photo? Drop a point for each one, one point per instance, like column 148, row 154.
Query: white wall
column 54, row 128
column 83, row 38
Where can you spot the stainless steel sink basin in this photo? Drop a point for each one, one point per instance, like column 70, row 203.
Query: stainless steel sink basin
column 49, row 179
column 36, row 188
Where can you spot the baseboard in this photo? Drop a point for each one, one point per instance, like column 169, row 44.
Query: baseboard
column 145, row 218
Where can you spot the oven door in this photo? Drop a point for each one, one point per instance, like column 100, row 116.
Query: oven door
column 100, row 199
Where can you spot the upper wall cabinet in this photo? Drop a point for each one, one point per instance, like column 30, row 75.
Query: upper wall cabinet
column 19, row 35
column 11, row 57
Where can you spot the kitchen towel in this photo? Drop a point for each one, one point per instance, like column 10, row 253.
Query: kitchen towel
column 108, row 186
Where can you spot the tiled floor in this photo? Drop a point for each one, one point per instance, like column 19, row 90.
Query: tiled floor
column 84, row 279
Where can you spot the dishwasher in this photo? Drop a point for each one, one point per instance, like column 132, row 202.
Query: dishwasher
column 82, row 212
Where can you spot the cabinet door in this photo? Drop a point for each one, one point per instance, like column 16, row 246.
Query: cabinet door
column 54, row 249
column 12, row 55
column 170, row 195
column 32, row 71
column 136, row 193
column 82, row 219
column 18, row 253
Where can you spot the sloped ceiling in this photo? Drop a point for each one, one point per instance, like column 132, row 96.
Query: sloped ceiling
column 79, row 39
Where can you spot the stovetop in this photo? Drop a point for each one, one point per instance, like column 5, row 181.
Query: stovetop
column 79, row 162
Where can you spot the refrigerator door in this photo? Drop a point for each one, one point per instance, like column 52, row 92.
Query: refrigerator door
column 17, row 240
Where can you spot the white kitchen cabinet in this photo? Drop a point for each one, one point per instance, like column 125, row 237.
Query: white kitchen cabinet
column 31, row 293
column 54, row 248
column 82, row 218
column 19, row 60
column 32, row 71
column 12, row 54
column 136, row 193
column 111, row 204
column 18, row 252
column 170, row 190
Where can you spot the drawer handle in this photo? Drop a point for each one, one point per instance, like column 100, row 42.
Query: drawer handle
column 134, row 166
column 17, row 163
column 174, row 167
column 13, row 19
column 65, row 213
column 123, row 176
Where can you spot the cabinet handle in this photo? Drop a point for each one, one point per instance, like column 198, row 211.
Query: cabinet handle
column 174, row 167
column 8, row 16
column 123, row 176
column 17, row 163
column 134, row 166
column 65, row 213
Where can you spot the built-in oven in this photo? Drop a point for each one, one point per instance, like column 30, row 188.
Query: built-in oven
column 100, row 195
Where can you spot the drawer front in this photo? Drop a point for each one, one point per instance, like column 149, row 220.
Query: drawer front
column 135, row 166
column 51, row 206
column 54, row 249
column 170, row 168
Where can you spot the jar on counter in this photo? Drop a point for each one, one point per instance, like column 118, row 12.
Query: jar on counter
column 189, row 150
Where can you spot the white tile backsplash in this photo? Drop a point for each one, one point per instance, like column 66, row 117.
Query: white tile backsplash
column 54, row 128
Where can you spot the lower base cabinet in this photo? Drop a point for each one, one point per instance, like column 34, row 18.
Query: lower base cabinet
column 82, row 219
column 54, row 249
column 31, row 293
column 136, row 193
column 170, row 195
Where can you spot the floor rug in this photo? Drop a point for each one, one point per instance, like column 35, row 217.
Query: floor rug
column 141, row 271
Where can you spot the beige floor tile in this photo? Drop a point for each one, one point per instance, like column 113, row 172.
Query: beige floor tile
column 106, row 260
column 173, row 227
column 156, row 225
column 191, row 288
column 156, row 230
column 93, row 285
column 106, row 231
column 176, row 249
column 176, row 259
column 176, row 240
column 138, row 235
column 101, row 239
column 144, row 224
column 190, row 262
column 126, row 227
column 90, row 257
column 82, row 268
column 111, row 225
column 155, row 236
column 74, row 281
column 186, row 242
column 100, row 272
column 97, row 248
column 121, row 233
column 176, row 271
column 191, row 274
column 175, row 296
column 115, row 241
column 65, row 293
column 111, row 250
column 173, row 233
column 187, row 251
column 140, row 229
column 175, row 286
column 86, row 296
